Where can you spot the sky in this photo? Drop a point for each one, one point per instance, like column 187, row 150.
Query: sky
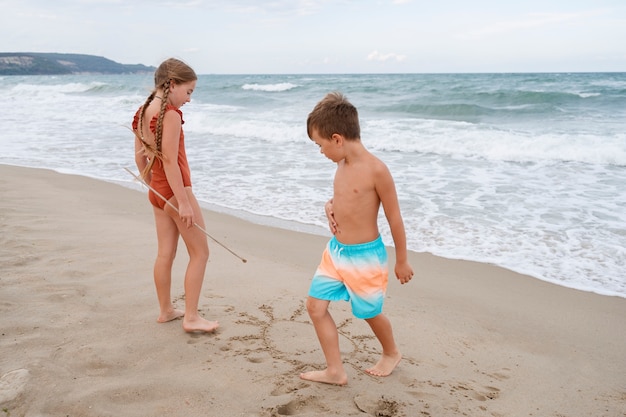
column 328, row 36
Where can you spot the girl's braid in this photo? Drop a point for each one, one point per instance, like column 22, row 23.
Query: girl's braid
column 158, row 137
column 149, row 149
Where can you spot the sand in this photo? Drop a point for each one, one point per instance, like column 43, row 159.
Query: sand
column 79, row 335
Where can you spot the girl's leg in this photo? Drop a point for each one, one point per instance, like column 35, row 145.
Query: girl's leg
column 167, row 238
column 198, row 249
column 391, row 356
column 328, row 336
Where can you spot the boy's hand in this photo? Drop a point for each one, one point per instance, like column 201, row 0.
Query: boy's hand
column 332, row 224
column 404, row 272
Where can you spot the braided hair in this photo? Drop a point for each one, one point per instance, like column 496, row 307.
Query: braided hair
column 171, row 69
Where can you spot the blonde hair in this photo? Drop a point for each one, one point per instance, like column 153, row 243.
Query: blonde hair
column 171, row 69
column 334, row 114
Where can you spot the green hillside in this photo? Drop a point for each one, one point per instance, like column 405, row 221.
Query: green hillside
column 34, row 63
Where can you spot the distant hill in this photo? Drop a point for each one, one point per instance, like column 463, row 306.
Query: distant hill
column 35, row 63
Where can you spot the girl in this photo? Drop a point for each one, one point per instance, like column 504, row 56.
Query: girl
column 161, row 159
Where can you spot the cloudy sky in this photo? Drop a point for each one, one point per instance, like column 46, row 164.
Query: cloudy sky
column 328, row 36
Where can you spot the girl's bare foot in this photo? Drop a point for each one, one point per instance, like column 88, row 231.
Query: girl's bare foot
column 325, row 377
column 385, row 365
column 199, row 325
column 170, row 315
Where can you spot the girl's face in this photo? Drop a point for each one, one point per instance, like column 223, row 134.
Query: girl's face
column 180, row 93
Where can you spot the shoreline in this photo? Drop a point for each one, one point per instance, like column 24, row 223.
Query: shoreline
column 78, row 323
column 311, row 229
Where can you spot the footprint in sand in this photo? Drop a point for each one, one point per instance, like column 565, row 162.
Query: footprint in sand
column 376, row 405
column 306, row 406
column 480, row 393
column 12, row 384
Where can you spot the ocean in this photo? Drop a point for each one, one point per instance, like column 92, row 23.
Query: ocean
column 525, row 171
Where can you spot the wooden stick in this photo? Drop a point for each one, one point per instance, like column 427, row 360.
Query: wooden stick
column 138, row 178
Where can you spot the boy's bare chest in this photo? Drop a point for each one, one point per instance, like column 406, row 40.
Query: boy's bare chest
column 355, row 205
column 353, row 184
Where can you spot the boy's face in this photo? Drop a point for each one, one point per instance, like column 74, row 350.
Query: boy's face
column 328, row 147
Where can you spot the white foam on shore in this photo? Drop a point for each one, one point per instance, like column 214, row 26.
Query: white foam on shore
column 545, row 202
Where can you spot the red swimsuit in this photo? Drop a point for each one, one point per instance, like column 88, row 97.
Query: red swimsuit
column 159, row 180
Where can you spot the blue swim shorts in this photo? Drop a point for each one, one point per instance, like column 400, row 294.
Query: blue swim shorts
column 356, row 273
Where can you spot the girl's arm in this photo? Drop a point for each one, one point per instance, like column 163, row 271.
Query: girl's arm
column 172, row 125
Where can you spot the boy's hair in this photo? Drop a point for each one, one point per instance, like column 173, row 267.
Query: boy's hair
column 170, row 69
column 334, row 114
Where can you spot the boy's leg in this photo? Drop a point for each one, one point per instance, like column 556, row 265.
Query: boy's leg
column 328, row 336
column 391, row 356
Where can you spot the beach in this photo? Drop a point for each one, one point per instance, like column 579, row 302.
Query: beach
column 79, row 335
column 523, row 171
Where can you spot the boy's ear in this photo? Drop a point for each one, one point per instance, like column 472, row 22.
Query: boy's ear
column 337, row 138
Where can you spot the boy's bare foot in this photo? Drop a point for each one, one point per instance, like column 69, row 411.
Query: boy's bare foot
column 385, row 366
column 325, row 377
column 199, row 325
column 173, row 314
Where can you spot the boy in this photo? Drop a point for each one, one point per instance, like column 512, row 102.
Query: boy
column 354, row 263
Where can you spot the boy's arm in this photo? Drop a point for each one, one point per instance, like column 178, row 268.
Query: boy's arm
column 330, row 214
column 386, row 190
